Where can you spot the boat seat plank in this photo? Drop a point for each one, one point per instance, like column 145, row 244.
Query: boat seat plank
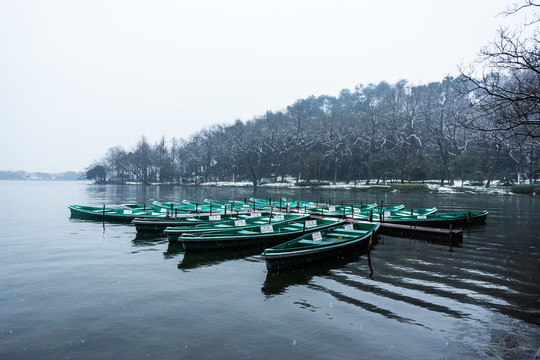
column 297, row 225
column 312, row 242
column 352, row 232
column 247, row 232
column 339, row 234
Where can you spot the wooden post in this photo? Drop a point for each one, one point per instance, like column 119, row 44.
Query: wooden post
column 369, row 264
column 411, row 211
column 175, row 213
column 304, row 228
column 371, row 216
column 196, row 208
column 210, row 208
column 468, row 217
column 270, row 220
column 344, row 213
column 103, row 214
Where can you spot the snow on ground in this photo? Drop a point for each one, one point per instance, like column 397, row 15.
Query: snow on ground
column 359, row 185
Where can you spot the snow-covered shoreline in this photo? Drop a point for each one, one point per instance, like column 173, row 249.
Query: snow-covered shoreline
column 431, row 187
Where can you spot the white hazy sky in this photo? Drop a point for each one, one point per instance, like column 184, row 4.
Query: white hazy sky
column 79, row 77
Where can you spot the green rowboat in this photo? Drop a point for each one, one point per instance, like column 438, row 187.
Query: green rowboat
column 145, row 225
column 441, row 219
column 231, row 206
column 173, row 233
column 144, row 208
column 110, row 214
column 286, row 203
column 387, row 215
column 319, row 245
column 210, row 208
column 254, row 235
column 350, row 211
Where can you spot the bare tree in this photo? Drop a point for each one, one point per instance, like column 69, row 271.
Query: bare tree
column 505, row 79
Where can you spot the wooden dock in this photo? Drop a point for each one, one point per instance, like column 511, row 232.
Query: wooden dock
column 443, row 236
column 437, row 235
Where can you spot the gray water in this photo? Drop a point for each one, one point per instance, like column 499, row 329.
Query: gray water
column 75, row 289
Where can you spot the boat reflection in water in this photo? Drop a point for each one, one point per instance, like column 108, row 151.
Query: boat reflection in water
column 173, row 250
column 147, row 240
column 141, row 238
column 277, row 282
column 197, row 259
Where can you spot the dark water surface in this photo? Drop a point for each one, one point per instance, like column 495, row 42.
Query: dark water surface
column 73, row 289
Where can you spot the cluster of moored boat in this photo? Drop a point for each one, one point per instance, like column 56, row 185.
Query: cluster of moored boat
column 304, row 231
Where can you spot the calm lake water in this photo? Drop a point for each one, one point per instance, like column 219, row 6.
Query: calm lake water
column 74, row 289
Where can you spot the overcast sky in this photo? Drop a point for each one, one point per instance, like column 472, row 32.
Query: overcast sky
column 79, row 77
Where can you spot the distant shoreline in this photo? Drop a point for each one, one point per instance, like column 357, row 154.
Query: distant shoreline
column 427, row 188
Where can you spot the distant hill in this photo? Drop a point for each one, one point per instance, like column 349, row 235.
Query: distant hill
column 23, row 175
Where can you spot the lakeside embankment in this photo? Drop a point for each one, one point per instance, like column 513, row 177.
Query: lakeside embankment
column 360, row 186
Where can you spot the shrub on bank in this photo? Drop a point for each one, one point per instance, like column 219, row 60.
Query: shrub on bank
column 411, row 188
column 373, row 189
column 526, row 189
column 309, row 183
